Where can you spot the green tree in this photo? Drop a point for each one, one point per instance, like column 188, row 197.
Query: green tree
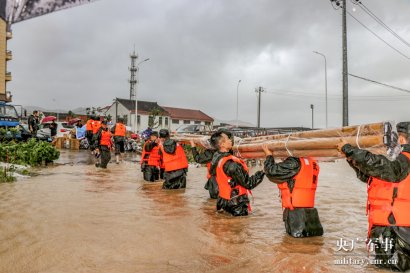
column 153, row 120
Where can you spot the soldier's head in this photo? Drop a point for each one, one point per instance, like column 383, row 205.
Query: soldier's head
column 221, row 141
column 154, row 136
column 104, row 125
column 120, row 120
column 403, row 129
column 163, row 134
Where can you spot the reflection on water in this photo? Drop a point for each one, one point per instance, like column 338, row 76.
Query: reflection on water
column 75, row 218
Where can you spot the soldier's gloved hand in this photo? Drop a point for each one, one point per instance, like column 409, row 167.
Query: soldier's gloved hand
column 260, row 175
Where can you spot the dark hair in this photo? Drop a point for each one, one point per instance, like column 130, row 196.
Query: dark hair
column 215, row 138
column 228, row 133
column 120, row 120
column 403, row 129
column 35, row 112
column 154, row 133
column 104, row 122
column 163, row 133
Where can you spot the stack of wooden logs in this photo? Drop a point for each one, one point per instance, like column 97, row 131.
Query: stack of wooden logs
column 315, row 143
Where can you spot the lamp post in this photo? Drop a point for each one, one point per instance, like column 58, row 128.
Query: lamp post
column 136, row 101
column 237, row 103
column 325, row 80
column 312, row 107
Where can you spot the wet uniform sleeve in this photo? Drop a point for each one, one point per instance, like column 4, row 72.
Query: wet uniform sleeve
column 97, row 138
column 149, row 146
column 241, row 177
column 283, row 171
column 377, row 165
column 202, row 158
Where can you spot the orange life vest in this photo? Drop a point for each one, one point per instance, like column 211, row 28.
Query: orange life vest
column 303, row 193
column 223, row 180
column 120, row 130
column 105, row 138
column 145, row 155
column 96, row 126
column 385, row 197
column 89, row 125
column 208, row 166
column 175, row 161
column 154, row 157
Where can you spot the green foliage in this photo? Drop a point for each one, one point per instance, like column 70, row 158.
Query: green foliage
column 6, row 174
column 32, row 152
column 153, row 122
column 188, row 153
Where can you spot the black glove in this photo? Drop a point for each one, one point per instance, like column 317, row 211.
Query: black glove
column 260, row 175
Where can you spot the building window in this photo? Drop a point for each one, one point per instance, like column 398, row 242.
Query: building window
column 160, row 121
column 207, row 123
column 175, row 121
column 125, row 117
column 187, row 122
column 197, row 122
column 150, row 121
column 166, row 121
column 138, row 119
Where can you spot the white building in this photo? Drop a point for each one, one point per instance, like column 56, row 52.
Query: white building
column 180, row 116
column 169, row 117
column 126, row 109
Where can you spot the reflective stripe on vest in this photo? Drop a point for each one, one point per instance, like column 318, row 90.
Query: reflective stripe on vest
column 89, row 125
column 105, row 138
column 119, row 129
column 385, row 197
column 96, row 126
column 175, row 161
column 145, row 155
column 303, row 193
column 154, row 157
column 222, row 179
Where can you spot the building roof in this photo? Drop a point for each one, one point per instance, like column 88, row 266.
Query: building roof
column 144, row 107
column 187, row 114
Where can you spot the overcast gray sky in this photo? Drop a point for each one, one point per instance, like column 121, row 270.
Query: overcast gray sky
column 199, row 50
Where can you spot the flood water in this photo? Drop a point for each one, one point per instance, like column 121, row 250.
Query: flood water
column 75, row 218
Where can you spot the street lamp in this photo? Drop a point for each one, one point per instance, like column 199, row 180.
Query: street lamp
column 312, row 107
column 136, row 102
column 237, row 103
column 325, row 79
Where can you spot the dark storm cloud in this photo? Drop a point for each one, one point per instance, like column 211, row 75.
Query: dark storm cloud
column 199, row 50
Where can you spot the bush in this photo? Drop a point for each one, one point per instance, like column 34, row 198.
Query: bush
column 32, row 152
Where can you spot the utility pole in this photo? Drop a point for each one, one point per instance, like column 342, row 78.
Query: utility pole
column 312, row 107
column 345, row 83
column 342, row 4
column 237, row 103
column 259, row 91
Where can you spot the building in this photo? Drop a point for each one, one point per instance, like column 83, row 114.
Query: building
column 180, row 116
column 151, row 113
column 5, row 55
column 125, row 108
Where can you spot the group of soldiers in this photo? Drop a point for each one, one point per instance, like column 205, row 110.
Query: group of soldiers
column 229, row 181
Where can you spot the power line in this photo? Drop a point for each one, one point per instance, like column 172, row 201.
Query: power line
column 381, row 39
column 383, row 84
column 378, row 20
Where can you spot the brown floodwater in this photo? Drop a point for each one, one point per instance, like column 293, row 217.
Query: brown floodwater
column 75, row 218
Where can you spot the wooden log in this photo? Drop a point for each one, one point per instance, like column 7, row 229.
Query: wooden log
column 305, row 153
column 367, row 129
column 313, row 144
